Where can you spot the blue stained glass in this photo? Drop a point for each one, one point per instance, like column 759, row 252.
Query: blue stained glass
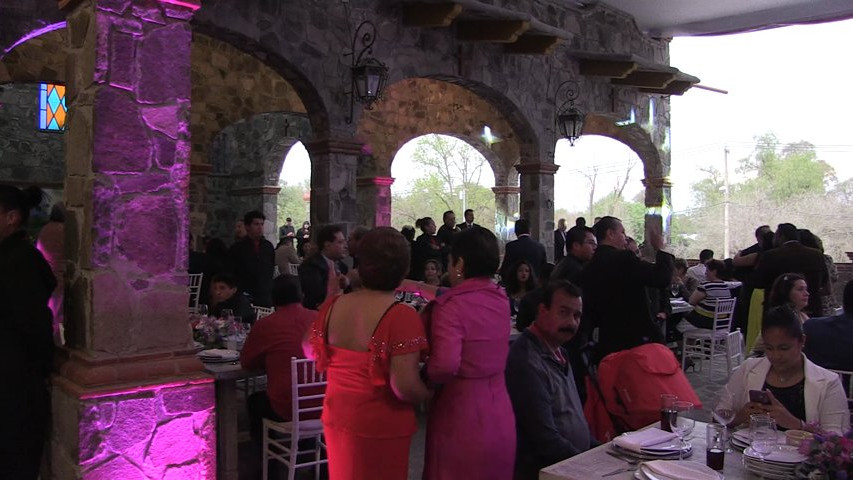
column 42, row 119
column 53, row 100
column 53, row 125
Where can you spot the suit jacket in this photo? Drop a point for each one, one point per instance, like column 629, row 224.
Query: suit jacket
column 314, row 277
column 829, row 341
column 559, row 245
column 525, row 248
column 797, row 258
column 824, row 396
column 569, row 268
column 253, row 270
column 463, row 226
column 615, row 300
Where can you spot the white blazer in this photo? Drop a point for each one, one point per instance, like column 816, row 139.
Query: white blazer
column 825, row 399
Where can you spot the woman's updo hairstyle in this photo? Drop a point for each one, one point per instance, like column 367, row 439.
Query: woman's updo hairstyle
column 785, row 318
column 479, row 248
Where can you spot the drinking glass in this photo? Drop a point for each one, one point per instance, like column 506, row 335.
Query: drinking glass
column 715, row 450
column 227, row 315
column 201, row 309
column 674, row 288
column 762, row 432
column 681, row 423
column 666, row 401
column 724, row 413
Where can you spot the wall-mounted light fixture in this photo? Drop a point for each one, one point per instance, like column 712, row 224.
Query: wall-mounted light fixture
column 368, row 75
column 569, row 119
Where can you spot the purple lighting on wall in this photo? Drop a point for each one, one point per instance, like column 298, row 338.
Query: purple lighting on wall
column 34, row 34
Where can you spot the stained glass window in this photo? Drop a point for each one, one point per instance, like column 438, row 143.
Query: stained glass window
column 52, row 111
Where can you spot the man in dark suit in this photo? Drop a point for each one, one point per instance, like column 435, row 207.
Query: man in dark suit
column 560, row 245
column 791, row 256
column 324, row 274
column 614, row 289
column 469, row 220
column 829, row 340
column 524, row 248
column 252, row 259
column 581, row 245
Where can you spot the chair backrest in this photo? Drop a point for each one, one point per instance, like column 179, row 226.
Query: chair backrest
column 734, row 349
column 308, row 388
column 294, row 268
column 847, row 381
column 723, row 313
column 261, row 312
column 194, row 289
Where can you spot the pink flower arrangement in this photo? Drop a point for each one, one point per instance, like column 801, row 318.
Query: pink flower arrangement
column 211, row 331
column 829, row 453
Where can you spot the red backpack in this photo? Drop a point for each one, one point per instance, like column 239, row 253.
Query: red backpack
column 629, row 385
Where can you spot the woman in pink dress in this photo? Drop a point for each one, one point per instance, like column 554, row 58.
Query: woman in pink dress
column 370, row 346
column 471, row 427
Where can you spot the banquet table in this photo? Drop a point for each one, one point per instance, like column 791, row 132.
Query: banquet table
column 592, row 464
column 226, row 376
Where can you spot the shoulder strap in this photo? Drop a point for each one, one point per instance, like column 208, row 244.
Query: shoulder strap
column 326, row 321
column 385, row 313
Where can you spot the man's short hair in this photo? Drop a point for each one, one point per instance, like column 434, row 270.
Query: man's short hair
column 577, row 234
column 681, row 264
column 327, row 233
column 358, row 233
column 848, row 298
column 467, row 211
column 288, row 219
column 408, row 232
column 580, row 222
column 759, row 232
column 555, row 286
column 247, row 218
column 227, row 278
column 787, row 232
column 522, row 226
column 604, row 225
column 449, row 212
column 705, row 255
column 286, row 290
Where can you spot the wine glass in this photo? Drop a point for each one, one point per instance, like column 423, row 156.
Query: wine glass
column 228, row 315
column 762, row 431
column 201, row 309
column 681, row 423
column 724, row 413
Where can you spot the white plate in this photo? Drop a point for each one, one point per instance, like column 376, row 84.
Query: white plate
column 767, row 473
column 218, row 355
column 781, row 454
column 647, row 475
column 652, row 455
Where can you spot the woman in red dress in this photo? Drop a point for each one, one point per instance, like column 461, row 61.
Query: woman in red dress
column 370, row 345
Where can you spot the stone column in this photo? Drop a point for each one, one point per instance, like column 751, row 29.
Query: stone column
column 130, row 399
column 333, row 181
column 374, row 201
column 658, row 200
column 537, row 201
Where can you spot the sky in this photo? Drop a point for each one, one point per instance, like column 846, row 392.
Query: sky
column 792, row 81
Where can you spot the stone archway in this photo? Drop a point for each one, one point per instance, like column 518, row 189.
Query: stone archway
column 655, row 164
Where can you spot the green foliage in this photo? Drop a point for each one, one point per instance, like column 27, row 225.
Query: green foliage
column 291, row 204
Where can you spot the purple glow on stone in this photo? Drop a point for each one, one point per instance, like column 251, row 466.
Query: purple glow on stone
column 145, row 388
column 36, row 33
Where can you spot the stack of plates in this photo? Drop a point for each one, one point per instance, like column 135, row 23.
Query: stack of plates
column 218, row 355
column 741, row 439
column 646, row 473
column 665, row 451
column 778, row 464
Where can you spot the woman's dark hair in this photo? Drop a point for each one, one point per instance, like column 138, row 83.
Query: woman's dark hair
column 681, row 264
column 719, row 267
column 512, row 284
column 422, row 223
column 782, row 286
column 13, row 198
column 479, row 248
column 809, row 239
column 286, row 289
column 383, row 259
column 785, row 318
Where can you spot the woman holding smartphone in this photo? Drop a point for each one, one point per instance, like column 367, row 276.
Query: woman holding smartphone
column 784, row 383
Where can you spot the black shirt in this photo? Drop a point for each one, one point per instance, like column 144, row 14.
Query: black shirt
column 792, row 398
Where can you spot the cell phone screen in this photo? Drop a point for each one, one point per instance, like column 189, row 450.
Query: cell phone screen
column 759, row 396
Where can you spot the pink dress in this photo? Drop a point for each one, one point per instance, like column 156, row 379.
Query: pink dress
column 471, row 427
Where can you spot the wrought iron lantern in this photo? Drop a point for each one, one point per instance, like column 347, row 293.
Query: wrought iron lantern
column 369, row 75
column 569, row 119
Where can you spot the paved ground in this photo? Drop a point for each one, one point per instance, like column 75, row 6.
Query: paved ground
column 250, row 465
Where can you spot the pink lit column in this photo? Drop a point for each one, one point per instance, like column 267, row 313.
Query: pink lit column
column 537, row 201
column 374, row 201
column 130, row 400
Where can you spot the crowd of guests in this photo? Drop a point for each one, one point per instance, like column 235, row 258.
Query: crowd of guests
column 496, row 411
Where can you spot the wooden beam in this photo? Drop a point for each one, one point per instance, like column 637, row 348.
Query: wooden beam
column 607, row 68
column 646, row 79
column 430, row 14
column 533, row 45
column 491, row 31
column 676, row 87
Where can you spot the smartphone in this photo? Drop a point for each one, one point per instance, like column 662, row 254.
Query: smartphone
column 759, row 396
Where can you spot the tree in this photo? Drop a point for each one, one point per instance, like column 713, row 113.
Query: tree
column 291, row 202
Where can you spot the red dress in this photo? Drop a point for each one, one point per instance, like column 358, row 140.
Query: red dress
column 368, row 429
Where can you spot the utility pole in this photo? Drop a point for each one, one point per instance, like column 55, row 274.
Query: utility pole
column 726, row 232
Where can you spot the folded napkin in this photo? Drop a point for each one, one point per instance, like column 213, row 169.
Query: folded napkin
column 635, row 441
column 680, row 470
column 218, row 353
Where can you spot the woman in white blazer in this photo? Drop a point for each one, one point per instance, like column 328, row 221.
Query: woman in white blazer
column 800, row 391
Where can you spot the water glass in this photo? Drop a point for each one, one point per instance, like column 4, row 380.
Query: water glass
column 666, row 401
column 715, row 450
column 724, row 412
column 681, row 423
column 762, row 432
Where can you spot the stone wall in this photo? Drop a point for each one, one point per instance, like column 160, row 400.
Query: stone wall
column 28, row 155
column 166, row 431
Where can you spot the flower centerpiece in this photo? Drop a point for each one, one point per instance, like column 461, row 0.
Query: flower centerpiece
column 212, row 332
column 829, row 455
